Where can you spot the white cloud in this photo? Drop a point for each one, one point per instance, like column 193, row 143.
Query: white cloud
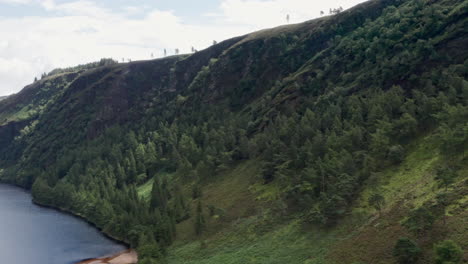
column 76, row 8
column 261, row 14
column 82, row 31
column 15, row 1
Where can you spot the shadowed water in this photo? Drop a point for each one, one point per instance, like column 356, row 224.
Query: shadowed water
column 32, row 234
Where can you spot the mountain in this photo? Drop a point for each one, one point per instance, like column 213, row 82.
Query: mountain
column 338, row 140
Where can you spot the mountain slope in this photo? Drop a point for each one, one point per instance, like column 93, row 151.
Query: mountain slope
column 301, row 144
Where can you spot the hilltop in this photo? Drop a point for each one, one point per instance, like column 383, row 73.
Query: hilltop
column 337, row 140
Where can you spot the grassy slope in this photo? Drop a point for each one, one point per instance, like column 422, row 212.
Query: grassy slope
column 145, row 189
column 244, row 234
column 405, row 187
column 255, row 235
column 243, row 244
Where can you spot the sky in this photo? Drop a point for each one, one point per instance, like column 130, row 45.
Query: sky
column 37, row 36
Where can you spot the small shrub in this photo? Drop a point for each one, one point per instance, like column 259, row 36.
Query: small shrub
column 419, row 220
column 396, row 154
column 196, row 191
column 406, row 251
column 377, row 201
column 448, row 252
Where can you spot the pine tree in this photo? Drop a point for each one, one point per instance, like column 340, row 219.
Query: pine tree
column 380, row 142
column 140, row 159
column 158, row 196
column 120, row 176
column 200, row 223
column 406, row 251
column 377, row 201
column 130, row 167
column 180, row 207
column 445, row 176
column 151, row 158
column 419, row 220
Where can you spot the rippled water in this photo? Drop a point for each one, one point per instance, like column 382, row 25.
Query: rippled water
column 32, row 234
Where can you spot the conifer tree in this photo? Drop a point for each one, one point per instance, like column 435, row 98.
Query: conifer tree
column 140, row 157
column 158, row 197
column 200, row 223
column 377, row 201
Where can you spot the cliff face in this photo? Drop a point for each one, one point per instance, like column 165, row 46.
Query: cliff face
column 324, row 124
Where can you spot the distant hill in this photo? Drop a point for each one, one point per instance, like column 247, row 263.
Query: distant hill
column 337, row 140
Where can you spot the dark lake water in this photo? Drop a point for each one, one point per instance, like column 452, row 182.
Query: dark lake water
column 32, row 234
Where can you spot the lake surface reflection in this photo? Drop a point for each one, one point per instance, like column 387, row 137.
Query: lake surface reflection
column 32, row 234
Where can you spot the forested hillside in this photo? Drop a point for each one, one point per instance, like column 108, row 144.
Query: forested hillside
column 338, row 140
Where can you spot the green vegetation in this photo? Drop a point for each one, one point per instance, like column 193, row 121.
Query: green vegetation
column 419, row 220
column 210, row 158
column 243, row 244
column 377, row 201
column 448, row 252
column 200, row 223
column 406, row 251
column 83, row 67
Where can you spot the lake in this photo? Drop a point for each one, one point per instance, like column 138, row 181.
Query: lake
column 32, row 234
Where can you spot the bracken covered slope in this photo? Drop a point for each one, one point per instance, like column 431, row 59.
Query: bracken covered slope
column 332, row 141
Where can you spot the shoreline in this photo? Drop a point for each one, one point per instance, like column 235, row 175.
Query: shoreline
column 128, row 256
column 82, row 218
column 125, row 257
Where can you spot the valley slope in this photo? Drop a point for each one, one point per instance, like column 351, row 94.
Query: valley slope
column 320, row 142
